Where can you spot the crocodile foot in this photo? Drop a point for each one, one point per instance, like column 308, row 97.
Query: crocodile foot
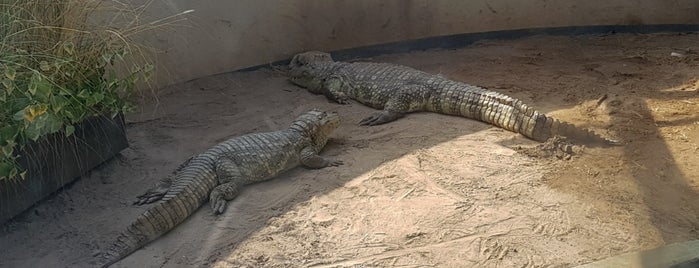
column 380, row 118
column 150, row 196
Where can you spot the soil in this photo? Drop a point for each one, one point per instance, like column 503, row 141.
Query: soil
column 427, row 190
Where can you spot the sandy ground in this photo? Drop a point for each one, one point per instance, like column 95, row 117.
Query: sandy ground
column 427, row 190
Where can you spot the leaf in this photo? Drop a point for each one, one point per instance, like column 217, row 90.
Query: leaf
column 57, row 103
column 53, row 124
column 9, row 85
column 10, row 73
column 135, row 69
column 8, row 133
column 40, row 87
column 33, row 83
column 148, row 68
column 132, row 80
column 107, row 59
column 59, row 63
column 36, row 128
column 98, row 97
column 44, row 66
column 43, row 90
column 5, row 169
column 19, row 116
column 112, row 75
column 70, row 129
column 35, row 111
column 84, row 94
column 70, row 115
column 3, row 96
column 23, row 175
column 120, row 54
column 90, row 101
column 7, row 151
column 148, row 71
column 12, row 143
column 109, row 100
column 13, row 171
column 69, row 48
column 32, row 89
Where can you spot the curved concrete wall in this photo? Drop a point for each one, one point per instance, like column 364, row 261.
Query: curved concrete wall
column 222, row 36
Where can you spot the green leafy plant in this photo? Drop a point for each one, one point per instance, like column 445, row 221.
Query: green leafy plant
column 62, row 61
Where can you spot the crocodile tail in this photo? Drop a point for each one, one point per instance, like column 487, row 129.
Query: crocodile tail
column 163, row 216
column 512, row 114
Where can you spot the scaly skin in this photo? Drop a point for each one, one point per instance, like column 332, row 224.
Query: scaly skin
column 398, row 90
column 219, row 173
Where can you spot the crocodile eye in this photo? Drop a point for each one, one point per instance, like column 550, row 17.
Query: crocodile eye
column 294, row 61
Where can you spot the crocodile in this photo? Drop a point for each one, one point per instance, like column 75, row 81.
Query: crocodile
column 398, row 90
column 219, row 173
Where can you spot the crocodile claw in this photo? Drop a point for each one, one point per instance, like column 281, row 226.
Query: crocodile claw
column 342, row 100
column 380, row 118
column 218, row 204
column 150, row 197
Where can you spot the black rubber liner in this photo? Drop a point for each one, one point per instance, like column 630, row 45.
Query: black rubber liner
column 463, row 40
column 688, row 264
column 55, row 161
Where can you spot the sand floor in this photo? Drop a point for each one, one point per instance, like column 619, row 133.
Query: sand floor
column 428, row 190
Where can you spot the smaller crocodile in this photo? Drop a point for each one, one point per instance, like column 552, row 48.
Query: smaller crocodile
column 219, row 173
column 398, row 90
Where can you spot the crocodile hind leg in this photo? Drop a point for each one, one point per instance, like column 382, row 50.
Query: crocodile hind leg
column 154, row 194
column 159, row 190
column 379, row 118
column 408, row 99
column 222, row 194
column 230, row 182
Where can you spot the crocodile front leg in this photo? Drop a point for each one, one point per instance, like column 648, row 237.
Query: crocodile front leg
column 311, row 159
column 333, row 90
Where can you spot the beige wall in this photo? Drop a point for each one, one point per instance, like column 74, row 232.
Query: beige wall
column 222, row 36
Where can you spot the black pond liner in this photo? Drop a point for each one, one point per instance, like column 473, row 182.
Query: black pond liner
column 56, row 160
column 687, row 264
column 456, row 41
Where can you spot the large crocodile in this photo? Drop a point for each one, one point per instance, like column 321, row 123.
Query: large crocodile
column 398, row 90
column 219, row 173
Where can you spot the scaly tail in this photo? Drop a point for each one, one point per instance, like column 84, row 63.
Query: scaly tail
column 186, row 195
column 150, row 225
column 511, row 114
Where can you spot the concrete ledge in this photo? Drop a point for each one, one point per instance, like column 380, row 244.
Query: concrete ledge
column 55, row 161
column 678, row 255
column 225, row 36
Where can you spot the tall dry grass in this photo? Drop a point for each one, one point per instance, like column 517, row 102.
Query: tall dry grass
column 64, row 60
